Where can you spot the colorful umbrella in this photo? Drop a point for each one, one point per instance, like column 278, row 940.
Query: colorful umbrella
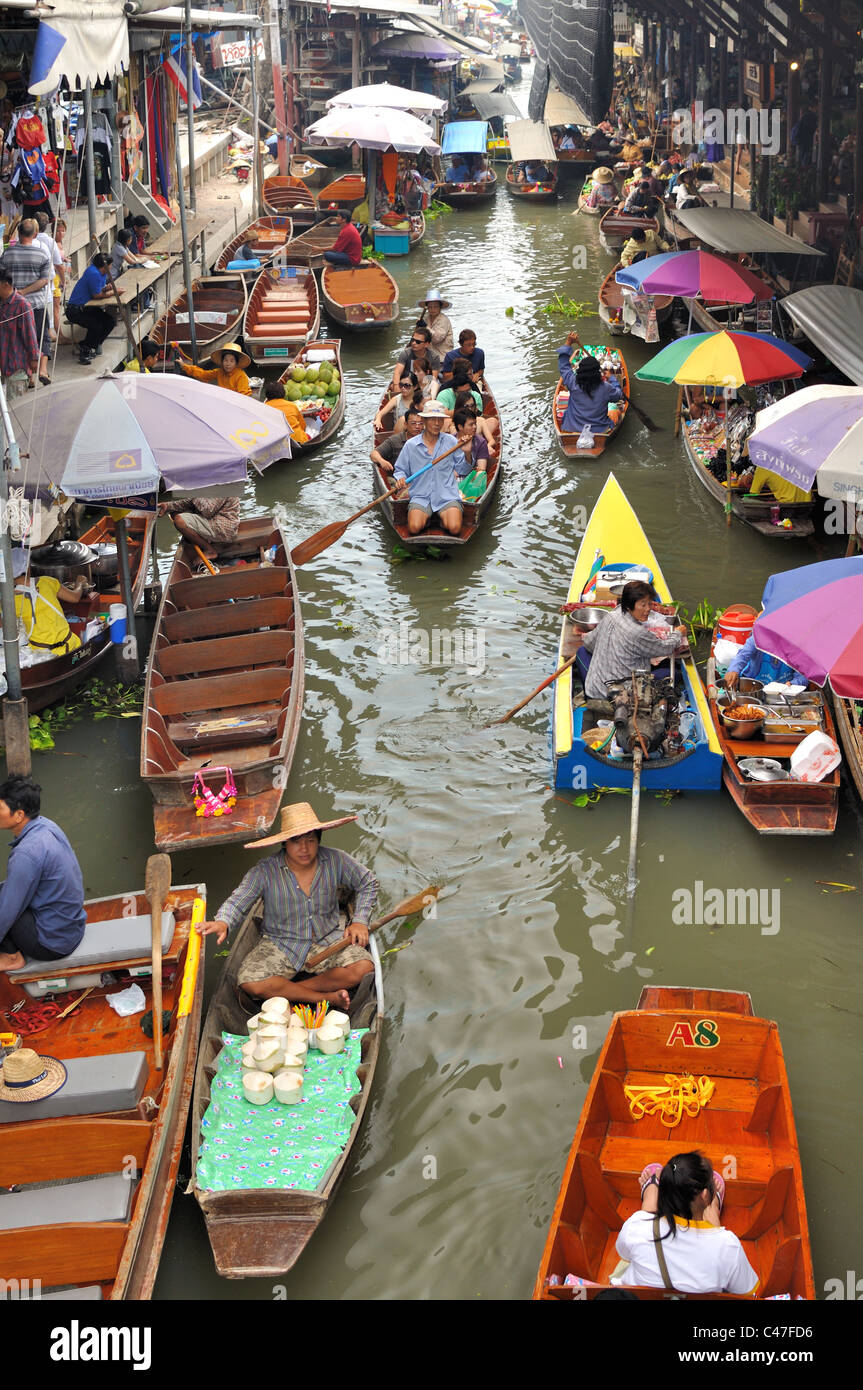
column 419, row 46
column 694, row 273
column 813, row 620
column 373, row 128
column 726, row 359
column 815, row 435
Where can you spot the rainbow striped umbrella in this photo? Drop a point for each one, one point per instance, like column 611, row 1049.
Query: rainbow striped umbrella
column 726, row 359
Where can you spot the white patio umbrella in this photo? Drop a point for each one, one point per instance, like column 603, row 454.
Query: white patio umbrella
column 373, row 128
column 386, row 95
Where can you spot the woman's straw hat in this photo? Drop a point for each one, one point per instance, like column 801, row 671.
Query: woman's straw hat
column 602, row 175
column 28, row 1077
column 434, row 297
column 298, row 819
column 218, row 353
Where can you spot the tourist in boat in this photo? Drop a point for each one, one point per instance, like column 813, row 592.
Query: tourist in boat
column 642, row 242
column 459, row 382
column 228, row 371
column 435, row 319
column 418, row 347
column 394, row 410
column 458, row 171
column 676, row 1240
column 385, row 454
column 300, row 886
column 347, row 251
column 37, row 604
column 466, row 348
column 753, row 664
column 206, row 522
column 42, row 899
column 482, row 172
column 624, row 642
column 274, row 395
column 427, row 378
column 475, row 447
column 437, row 490
column 591, row 391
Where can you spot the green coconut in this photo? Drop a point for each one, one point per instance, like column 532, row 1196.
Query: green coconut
column 298, row 373
column 333, row 388
column 325, row 372
column 294, row 391
column 312, row 373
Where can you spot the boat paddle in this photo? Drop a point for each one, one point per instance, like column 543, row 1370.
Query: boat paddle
column 515, row 709
column 322, row 540
column 406, row 908
column 641, row 414
column 157, row 886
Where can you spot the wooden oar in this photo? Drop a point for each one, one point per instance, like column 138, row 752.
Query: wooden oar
column 211, row 568
column 157, row 886
column 406, row 908
column 633, row 824
column 322, row 540
column 515, row 709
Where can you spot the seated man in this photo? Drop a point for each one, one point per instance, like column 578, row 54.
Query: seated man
column 37, row 604
column 42, row 900
column 483, row 173
column 348, row 249
column 536, row 172
column 246, row 251
column 274, row 395
column 458, row 172
column 437, row 490
column 300, row 887
column 468, row 349
column 206, row 522
column 418, row 347
column 386, row 453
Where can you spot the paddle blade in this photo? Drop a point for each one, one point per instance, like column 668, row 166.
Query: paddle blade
column 408, row 906
column 157, row 878
column 320, row 541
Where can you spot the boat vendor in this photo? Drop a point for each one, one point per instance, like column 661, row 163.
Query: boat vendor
column 694, row 1252
column 437, row 490
column 37, row 604
column 590, row 389
column 435, row 319
column 207, row 522
column 641, row 201
column 624, row 642
column 642, row 242
column 228, row 373
column 385, row 454
column 42, row 899
column 756, row 480
column 247, row 252
column 347, row 252
column 274, row 395
column 753, row 664
column 300, row 889
column 603, row 192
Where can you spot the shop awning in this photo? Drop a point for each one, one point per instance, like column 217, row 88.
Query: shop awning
column 495, row 104
column 81, row 40
column 831, row 316
column 465, row 137
column 735, row 230
column 530, row 140
column 562, row 110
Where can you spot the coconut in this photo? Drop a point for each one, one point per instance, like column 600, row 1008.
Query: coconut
column 330, row 1040
column 276, row 1007
column 258, row 1087
column 298, row 373
column 288, row 1087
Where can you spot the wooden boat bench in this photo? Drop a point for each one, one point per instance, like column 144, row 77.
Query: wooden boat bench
column 99, row 1085
column 223, row 619
column 252, row 582
column 106, row 1198
column 114, row 942
column 221, row 710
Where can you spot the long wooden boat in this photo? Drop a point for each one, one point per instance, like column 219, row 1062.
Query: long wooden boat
column 261, row 1232
column 220, row 303
column 51, row 680
column 473, row 513
column 78, row 1218
column 284, row 312
column 615, row 533
column 578, row 163
column 272, row 234
column 346, row 192
column 308, row 248
column 310, row 171
column 363, row 297
column 848, row 715
column 749, row 1115
column 418, row 228
column 224, row 686
column 284, row 195
column 611, row 308
column 468, row 195
column 616, row 227
column 754, row 511
column 311, row 353
column 781, row 807
column 567, row 439
column 545, row 192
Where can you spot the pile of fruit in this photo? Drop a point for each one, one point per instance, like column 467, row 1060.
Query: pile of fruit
column 317, row 381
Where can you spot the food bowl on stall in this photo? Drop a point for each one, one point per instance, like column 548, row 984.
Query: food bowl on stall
column 586, row 619
column 747, row 686
column 743, row 720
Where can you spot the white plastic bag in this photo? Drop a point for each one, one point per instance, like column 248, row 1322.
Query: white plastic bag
column 128, row 1001
column 585, row 439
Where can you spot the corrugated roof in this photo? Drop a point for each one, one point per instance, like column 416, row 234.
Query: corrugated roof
column 736, row 230
column 530, row 140
column 831, row 316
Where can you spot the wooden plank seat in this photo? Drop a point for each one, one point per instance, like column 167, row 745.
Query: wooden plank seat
column 98, row 1085
column 221, row 620
column 247, row 728
column 113, row 941
column 253, row 582
column 208, row 694
column 622, row 1160
column 107, row 1198
column 242, row 653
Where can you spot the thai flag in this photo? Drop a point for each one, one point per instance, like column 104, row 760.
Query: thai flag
column 176, row 71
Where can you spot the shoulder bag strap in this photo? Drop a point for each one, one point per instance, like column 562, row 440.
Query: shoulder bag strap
column 660, row 1254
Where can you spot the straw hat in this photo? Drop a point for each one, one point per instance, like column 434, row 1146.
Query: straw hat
column 433, row 411
column 298, row 819
column 218, row 353
column 27, row 1076
column 602, row 175
column 434, row 297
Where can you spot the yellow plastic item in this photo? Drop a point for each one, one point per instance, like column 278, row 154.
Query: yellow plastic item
column 682, row 1095
column 193, row 957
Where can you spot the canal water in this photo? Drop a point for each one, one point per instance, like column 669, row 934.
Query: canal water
column 497, row 1007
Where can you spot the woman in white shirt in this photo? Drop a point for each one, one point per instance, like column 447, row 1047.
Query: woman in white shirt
column 679, row 1223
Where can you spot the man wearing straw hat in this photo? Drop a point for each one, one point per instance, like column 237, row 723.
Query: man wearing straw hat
column 437, row 490
column 300, row 890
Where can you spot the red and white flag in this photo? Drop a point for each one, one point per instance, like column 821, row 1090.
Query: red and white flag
column 176, row 71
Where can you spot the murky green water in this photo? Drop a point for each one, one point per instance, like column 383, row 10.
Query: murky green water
column 479, row 1088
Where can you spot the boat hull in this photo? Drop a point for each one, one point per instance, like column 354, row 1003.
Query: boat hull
column 361, row 299
column 337, row 415
column 568, row 440
column 220, row 303
column 851, row 739
column 272, row 236
column 459, row 195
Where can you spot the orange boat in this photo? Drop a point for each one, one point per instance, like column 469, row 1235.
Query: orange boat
column 283, row 195
column 677, row 1031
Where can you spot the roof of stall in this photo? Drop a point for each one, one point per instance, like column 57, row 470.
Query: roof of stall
column 530, row 140
column 562, row 110
column 481, row 86
column 465, row 137
column 831, row 316
column 736, row 230
column 490, row 104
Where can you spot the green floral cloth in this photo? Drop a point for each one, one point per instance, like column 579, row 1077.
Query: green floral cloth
column 245, row 1145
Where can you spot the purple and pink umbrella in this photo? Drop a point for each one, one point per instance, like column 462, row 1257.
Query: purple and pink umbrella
column 694, row 274
column 813, row 620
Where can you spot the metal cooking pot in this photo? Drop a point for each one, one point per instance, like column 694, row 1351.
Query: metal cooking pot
column 107, row 562
column 586, row 619
column 743, row 728
column 64, row 560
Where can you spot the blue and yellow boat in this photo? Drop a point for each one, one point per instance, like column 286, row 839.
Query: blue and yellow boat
column 614, row 533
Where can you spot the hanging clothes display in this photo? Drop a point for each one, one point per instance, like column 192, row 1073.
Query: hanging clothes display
column 103, row 142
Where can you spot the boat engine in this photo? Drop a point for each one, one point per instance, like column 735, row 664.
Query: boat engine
column 645, row 714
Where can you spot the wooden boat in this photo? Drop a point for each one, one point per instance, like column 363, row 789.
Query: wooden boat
column 220, row 303
column 284, row 312
column 473, row 513
column 308, row 248
column 311, row 171
column 578, row 163
column 272, row 234
column 611, row 306
column 337, row 409
column 345, row 193
column 614, row 532
column 754, row 511
column 749, row 1115
column 532, row 192
column 847, row 714
column 583, row 205
column 284, row 195
column 364, row 297
column 80, row 1220
column 51, row 680
column 616, row 227
column 224, row 685
column 333, row 156
column 775, row 808
column 418, row 228
column 567, row 439
column 467, row 195
column 261, row 1232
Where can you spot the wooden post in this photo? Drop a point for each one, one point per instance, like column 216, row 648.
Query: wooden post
column 793, row 110
column 692, row 68
column 723, row 71
column 825, row 106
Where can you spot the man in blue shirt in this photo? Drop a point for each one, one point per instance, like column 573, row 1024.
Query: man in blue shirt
column 98, row 323
column 437, row 490
column 42, row 900
column 466, row 348
column 458, row 172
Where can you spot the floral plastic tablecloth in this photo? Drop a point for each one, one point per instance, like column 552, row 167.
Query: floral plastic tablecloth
column 275, row 1145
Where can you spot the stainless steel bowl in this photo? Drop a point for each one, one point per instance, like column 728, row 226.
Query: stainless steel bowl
column 746, row 686
column 743, row 728
column 586, row 619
